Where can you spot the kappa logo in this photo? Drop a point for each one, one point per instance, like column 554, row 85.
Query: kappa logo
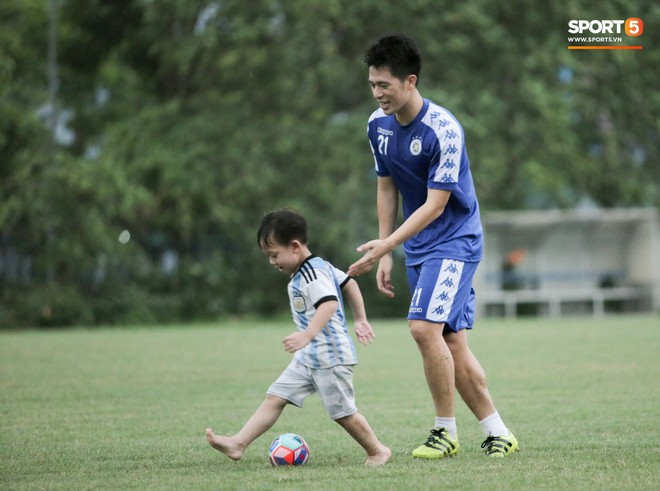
column 444, row 296
column 451, row 149
column 447, row 178
column 416, row 146
column 439, row 310
column 448, row 164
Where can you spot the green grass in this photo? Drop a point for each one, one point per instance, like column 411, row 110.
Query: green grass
column 127, row 408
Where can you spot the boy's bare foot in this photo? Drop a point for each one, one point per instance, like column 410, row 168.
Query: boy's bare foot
column 380, row 458
column 225, row 444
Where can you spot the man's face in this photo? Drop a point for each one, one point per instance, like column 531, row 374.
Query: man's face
column 390, row 92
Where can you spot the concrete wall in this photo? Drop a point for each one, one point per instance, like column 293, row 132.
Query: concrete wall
column 577, row 251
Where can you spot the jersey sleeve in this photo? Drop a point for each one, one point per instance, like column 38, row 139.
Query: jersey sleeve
column 321, row 289
column 381, row 169
column 342, row 278
column 447, row 151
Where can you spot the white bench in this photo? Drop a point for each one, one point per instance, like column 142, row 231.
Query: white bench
column 555, row 298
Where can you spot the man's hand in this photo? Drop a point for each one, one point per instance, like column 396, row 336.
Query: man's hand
column 375, row 249
column 384, row 276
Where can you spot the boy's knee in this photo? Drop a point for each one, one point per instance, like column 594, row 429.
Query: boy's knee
column 276, row 400
column 345, row 420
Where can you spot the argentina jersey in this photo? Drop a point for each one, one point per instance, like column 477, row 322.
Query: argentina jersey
column 430, row 153
column 315, row 282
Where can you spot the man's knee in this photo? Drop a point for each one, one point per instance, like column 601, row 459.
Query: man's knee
column 424, row 331
column 457, row 341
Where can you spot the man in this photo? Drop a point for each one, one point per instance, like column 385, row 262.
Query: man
column 419, row 152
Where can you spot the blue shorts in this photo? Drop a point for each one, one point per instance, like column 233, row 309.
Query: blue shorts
column 442, row 292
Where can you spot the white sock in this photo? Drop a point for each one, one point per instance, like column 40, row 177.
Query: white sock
column 494, row 426
column 448, row 424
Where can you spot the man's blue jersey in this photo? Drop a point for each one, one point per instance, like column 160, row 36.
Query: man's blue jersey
column 430, row 153
column 315, row 282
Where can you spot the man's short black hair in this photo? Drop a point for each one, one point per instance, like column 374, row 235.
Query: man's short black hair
column 395, row 51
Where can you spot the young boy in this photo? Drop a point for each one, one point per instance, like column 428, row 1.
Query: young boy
column 324, row 353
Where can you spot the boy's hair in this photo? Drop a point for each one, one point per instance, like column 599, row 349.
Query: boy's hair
column 395, row 51
column 282, row 227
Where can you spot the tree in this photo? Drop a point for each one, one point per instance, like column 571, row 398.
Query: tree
column 187, row 120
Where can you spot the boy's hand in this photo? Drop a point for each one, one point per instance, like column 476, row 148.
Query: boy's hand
column 364, row 332
column 296, row 341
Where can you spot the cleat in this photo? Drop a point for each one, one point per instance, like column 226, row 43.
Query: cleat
column 500, row 446
column 439, row 445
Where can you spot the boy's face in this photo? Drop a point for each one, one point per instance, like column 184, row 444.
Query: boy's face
column 391, row 93
column 285, row 258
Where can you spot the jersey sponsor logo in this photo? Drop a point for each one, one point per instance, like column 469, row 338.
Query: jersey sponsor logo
column 383, row 131
column 299, row 304
column 416, row 146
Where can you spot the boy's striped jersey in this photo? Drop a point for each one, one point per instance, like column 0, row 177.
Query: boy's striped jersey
column 315, row 282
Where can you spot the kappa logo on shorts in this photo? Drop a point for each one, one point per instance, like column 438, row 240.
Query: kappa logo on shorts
column 445, row 290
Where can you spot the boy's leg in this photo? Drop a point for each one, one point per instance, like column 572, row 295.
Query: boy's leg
column 358, row 427
column 335, row 387
column 261, row 421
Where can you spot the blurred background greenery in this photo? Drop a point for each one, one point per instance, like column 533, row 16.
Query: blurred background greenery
column 142, row 140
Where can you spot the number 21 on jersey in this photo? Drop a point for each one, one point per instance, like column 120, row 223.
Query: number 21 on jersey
column 383, row 141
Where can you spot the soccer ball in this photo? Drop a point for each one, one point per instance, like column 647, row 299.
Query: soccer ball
column 288, row 449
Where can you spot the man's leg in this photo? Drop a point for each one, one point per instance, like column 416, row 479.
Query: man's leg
column 439, row 371
column 469, row 375
column 471, row 385
column 438, row 364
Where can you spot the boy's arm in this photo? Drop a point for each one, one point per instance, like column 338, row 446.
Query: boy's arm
column 299, row 339
column 363, row 330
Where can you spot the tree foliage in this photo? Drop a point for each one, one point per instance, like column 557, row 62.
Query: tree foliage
column 182, row 122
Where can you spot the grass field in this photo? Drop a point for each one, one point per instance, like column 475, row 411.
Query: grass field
column 127, row 408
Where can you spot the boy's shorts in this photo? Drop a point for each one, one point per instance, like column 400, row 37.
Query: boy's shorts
column 442, row 292
column 334, row 385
